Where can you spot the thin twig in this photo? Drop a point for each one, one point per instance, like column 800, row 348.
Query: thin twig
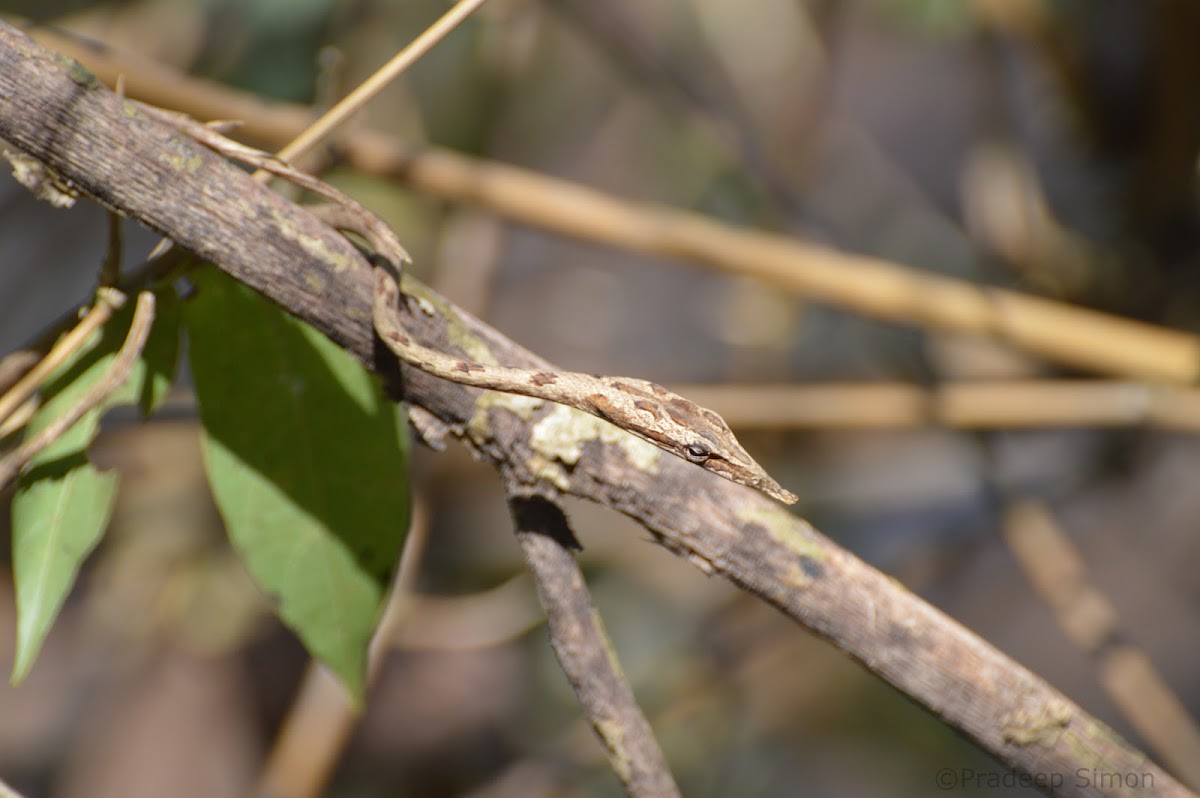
column 155, row 271
column 16, row 365
column 13, row 367
column 1058, row 573
column 585, row 652
column 107, row 302
column 356, row 99
column 113, row 378
column 18, row 419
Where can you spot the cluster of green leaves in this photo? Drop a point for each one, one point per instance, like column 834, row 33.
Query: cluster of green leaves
column 305, row 457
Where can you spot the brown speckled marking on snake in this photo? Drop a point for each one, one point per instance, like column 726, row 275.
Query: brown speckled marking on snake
column 642, row 408
column 647, row 407
column 467, row 367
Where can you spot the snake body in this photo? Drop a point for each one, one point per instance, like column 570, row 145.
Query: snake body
column 642, row 408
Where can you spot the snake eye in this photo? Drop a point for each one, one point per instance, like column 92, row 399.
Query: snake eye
column 697, row 453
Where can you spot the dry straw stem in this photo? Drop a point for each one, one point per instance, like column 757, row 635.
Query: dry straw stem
column 28, row 369
column 990, row 404
column 1056, row 331
column 113, row 378
column 1058, row 573
column 181, row 189
column 107, row 302
column 13, row 367
column 363, row 93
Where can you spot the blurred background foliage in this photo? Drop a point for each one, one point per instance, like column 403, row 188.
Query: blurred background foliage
column 1044, row 145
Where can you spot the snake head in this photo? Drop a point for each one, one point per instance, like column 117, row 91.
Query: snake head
column 728, row 459
column 684, row 429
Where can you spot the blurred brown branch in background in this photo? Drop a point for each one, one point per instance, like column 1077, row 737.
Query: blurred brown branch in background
column 1058, row 573
column 1056, row 331
column 957, row 404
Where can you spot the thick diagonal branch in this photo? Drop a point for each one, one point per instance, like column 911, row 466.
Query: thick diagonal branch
column 54, row 111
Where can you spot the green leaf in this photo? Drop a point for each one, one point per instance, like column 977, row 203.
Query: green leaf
column 307, row 463
column 62, row 503
column 57, row 521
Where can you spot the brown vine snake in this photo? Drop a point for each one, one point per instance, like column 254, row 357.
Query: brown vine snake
column 642, row 408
